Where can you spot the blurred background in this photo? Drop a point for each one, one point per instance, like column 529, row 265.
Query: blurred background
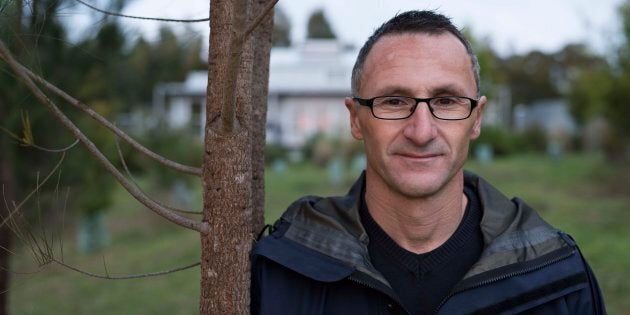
column 555, row 132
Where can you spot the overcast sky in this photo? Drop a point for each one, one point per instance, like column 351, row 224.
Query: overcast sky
column 512, row 26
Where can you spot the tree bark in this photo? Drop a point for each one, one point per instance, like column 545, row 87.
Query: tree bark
column 227, row 169
column 260, row 90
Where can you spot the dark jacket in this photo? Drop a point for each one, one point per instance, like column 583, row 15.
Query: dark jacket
column 317, row 262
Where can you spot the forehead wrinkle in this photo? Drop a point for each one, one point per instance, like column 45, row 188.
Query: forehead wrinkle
column 397, row 90
column 447, row 89
column 394, row 90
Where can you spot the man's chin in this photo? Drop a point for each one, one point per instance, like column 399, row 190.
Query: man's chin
column 421, row 185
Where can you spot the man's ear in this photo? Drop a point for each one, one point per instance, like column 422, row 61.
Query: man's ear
column 355, row 126
column 476, row 130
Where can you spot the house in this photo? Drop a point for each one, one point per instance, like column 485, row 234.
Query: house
column 551, row 116
column 307, row 87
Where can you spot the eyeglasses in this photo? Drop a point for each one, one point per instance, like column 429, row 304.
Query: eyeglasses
column 402, row 107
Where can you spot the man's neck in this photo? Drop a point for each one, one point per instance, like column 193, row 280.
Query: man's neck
column 418, row 225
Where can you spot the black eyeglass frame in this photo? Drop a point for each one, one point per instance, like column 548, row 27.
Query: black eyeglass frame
column 369, row 102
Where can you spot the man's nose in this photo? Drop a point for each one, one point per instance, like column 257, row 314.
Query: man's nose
column 420, row 127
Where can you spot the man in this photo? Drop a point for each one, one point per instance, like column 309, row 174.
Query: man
column 416, row 234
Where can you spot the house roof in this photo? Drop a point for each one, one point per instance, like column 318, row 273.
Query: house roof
column 317, row 67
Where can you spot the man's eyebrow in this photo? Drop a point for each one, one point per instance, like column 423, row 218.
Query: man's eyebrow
column 446, row 89
column 395, row 90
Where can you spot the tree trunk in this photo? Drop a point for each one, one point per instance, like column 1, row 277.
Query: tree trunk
column 7, row 184
column 228, row 164
column 260, row 89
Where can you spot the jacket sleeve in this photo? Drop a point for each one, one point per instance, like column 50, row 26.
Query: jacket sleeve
column 254, row 306
column 596, row 294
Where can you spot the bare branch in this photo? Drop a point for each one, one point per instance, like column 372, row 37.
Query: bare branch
column 63, row 221
column 126, row 277
column 100, row 119
column 141, row 17
column 199, row 226
column 131, row 178
column 44, row 255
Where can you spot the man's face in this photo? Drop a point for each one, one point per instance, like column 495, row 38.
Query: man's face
column 420, row 155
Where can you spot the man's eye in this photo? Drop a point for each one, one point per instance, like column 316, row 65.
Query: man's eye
column 394, row 101
column 445, row 101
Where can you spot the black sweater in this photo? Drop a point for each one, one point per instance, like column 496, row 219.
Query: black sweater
column 422, row 281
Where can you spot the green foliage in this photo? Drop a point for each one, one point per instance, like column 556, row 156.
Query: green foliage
column 537, row 75
column 604, row 91
column 589, row 92
column 499, row 140
column 505, row 143
column 320, row 149
column 529, row 77
column 318, row 26
column 133, row 73
column 275, row 152
column 617, row 112
column 489, row 63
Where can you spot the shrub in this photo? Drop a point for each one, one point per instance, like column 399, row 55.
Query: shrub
column 275, row 152
column 504, row 142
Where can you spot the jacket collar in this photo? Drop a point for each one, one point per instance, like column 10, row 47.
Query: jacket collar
column 331, row 227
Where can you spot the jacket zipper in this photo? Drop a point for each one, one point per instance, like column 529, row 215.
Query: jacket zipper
column 365, row 284
column 543, row 264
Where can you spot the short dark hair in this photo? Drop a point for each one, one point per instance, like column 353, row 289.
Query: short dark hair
column 427, row 22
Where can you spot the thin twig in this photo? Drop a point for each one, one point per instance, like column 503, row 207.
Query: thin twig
column 131, row 178
column 63, row 221
column 200, row 226
column 126, row 277
column 26, row 144
column 22, row 273
column 141, row 17
column 12, row 225
column 103, row 121
column 7, row 250
column 105, row 266
column 19, row 206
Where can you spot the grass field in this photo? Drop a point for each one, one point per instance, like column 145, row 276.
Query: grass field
column 582, row 195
